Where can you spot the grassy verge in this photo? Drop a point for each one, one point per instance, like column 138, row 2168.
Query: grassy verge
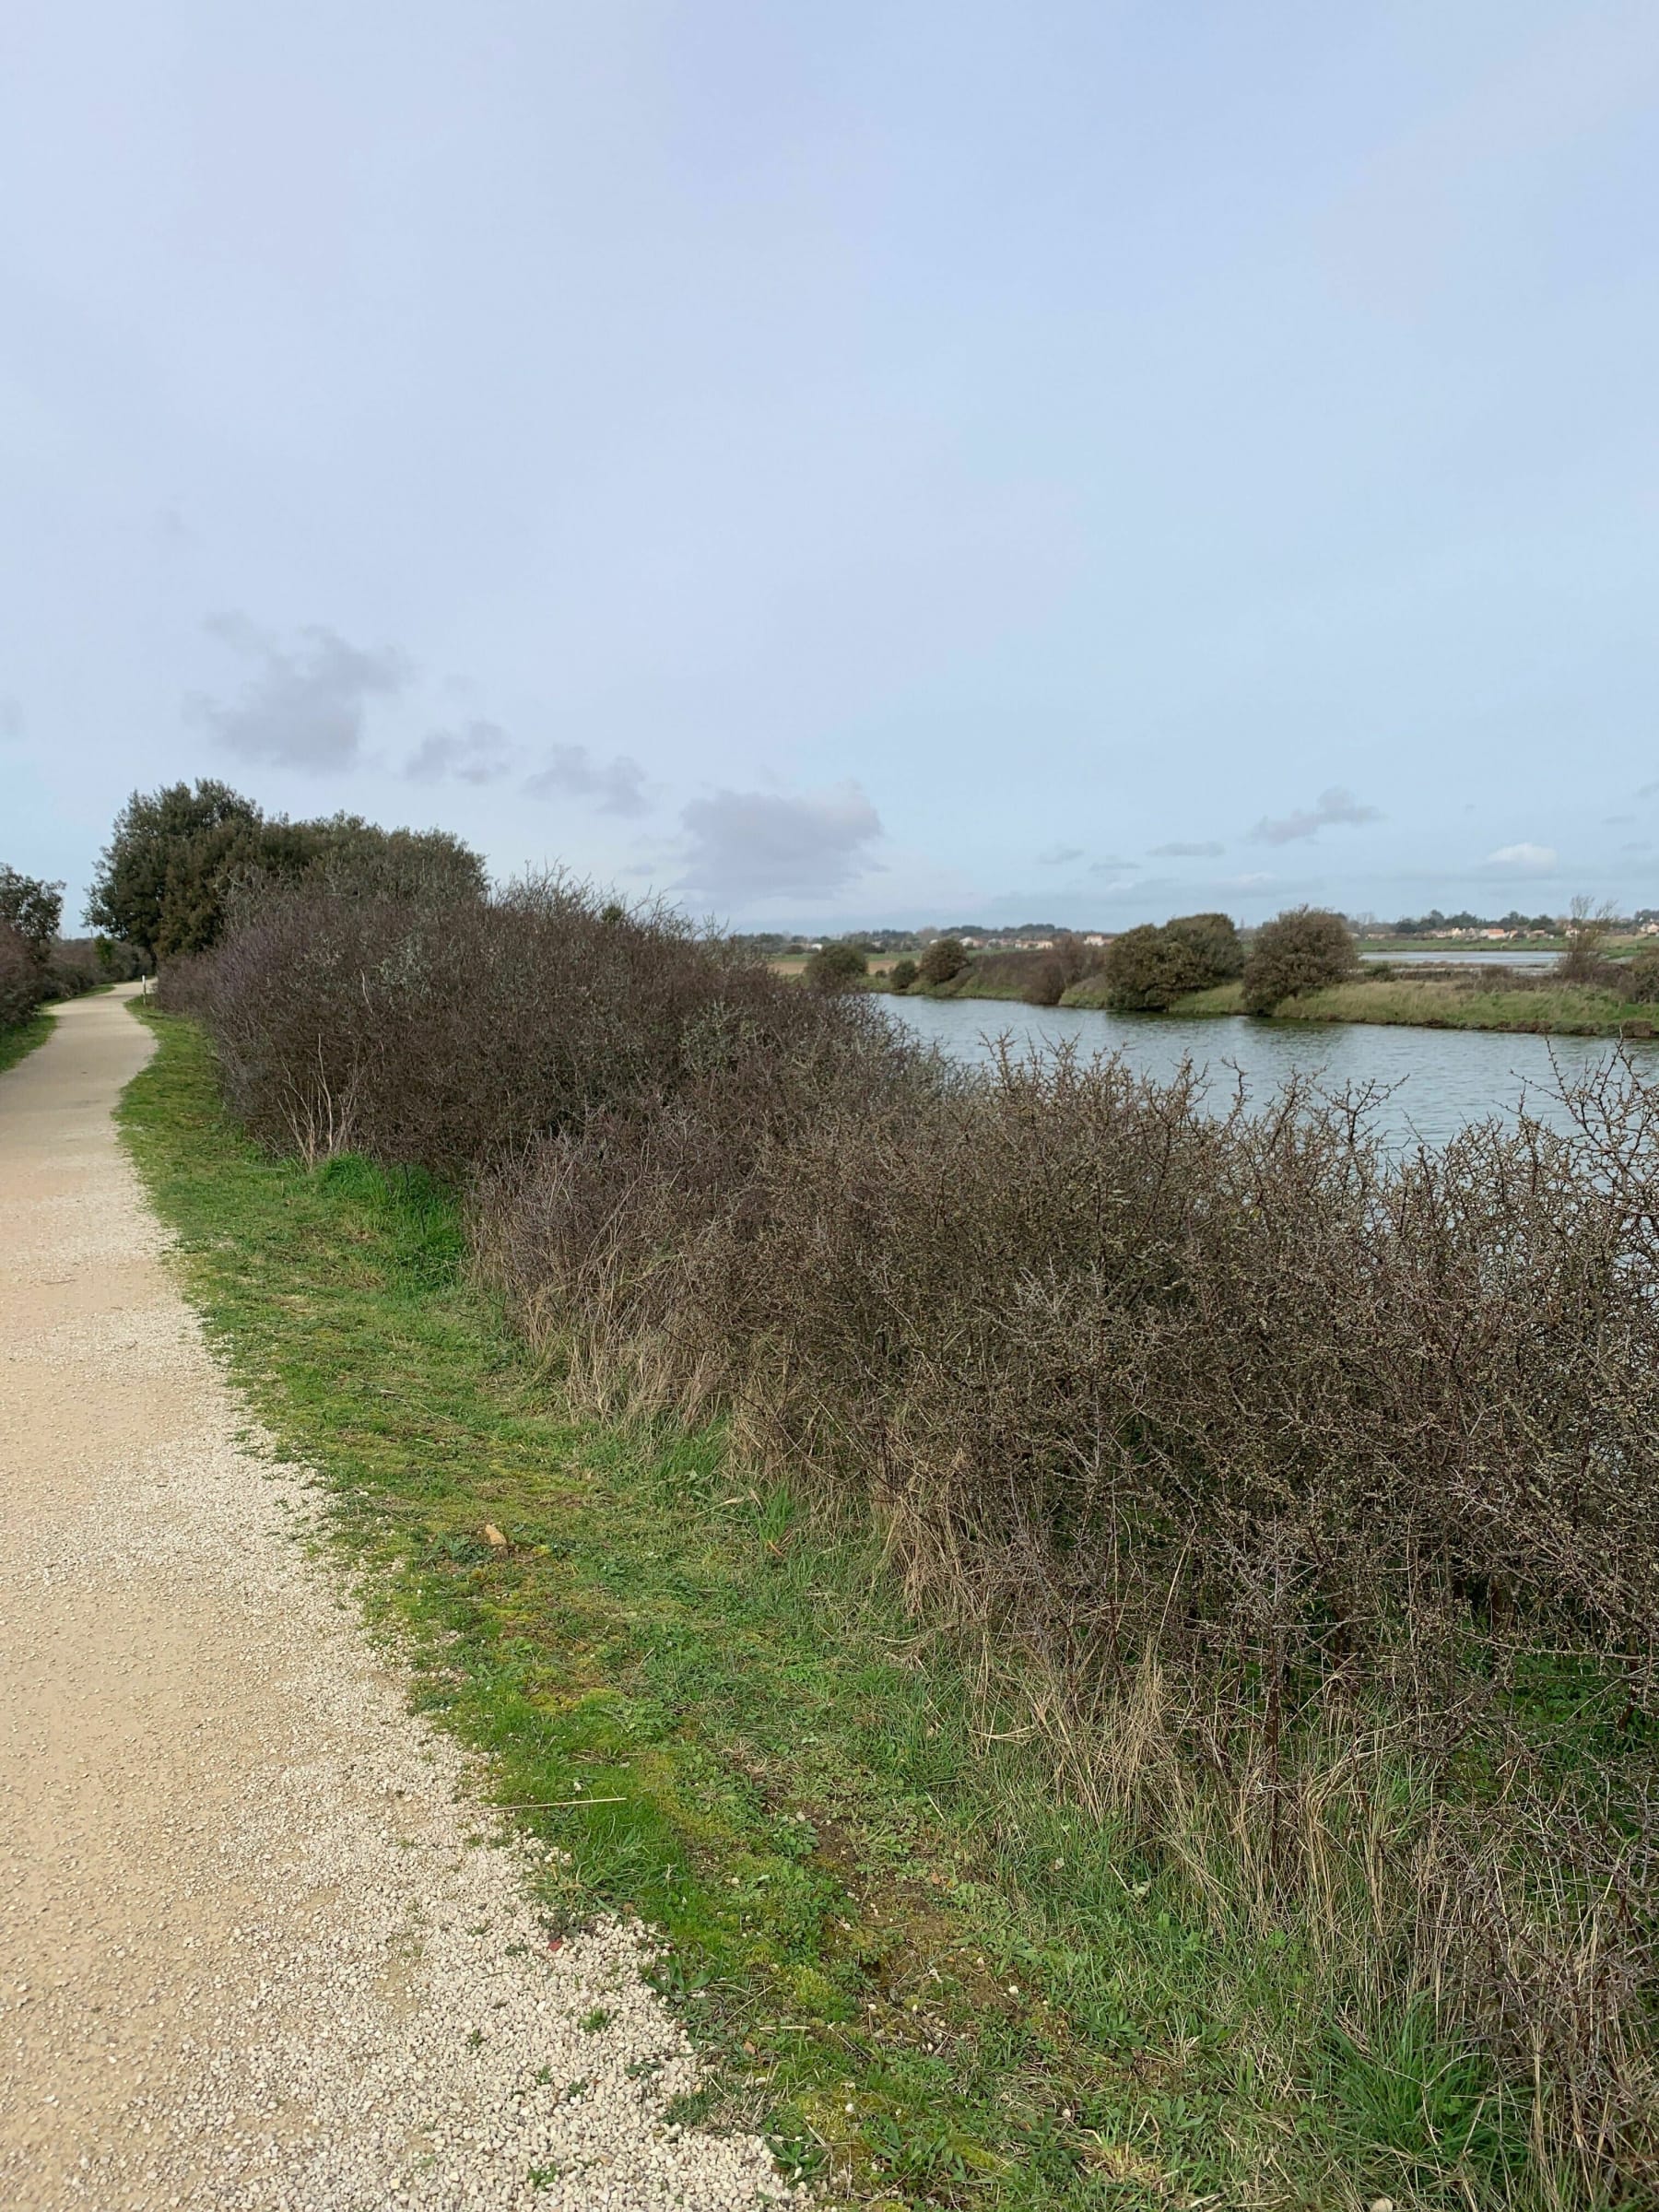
column 926, row 1977
column 18, row 1038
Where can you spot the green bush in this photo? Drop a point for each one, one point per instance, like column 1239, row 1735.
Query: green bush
column 1149, row 967
column 902, row 974
column 1641, row 977
column 944, row 960
column 1214, row 944
column 1307, row 948
column 1146, row 969
column 839, row 967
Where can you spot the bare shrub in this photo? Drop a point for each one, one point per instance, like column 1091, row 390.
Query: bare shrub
column 23, row 978
column 1588, row 928
column 1307, row 1493
column 444, row 1034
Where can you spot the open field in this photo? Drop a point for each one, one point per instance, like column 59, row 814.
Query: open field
column 926, row 1975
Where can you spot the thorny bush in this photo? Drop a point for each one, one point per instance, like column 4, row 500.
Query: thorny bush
column 1308, row 1488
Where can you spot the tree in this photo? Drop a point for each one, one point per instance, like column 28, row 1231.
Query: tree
column 1588, row 928
column 160, row 878
column 182, row 865
column 1306, row 949
column 31, row 908
column 1215, row 945
column 839, row 967
column 1148, row 969
column 902, row 974
column 944, row 959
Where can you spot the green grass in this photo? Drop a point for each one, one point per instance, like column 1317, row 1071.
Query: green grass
column 18, row 1038
column 909, row 1960
column 1553, row 1009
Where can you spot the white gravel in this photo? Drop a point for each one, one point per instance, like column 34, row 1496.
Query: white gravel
column 261, row 1944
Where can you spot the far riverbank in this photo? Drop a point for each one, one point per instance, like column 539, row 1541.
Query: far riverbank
column 1469, row 998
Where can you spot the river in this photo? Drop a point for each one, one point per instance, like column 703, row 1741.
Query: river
column 1439, row 1079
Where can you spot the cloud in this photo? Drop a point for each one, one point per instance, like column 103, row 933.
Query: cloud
column 1333, row 805
column 1618, row 821
column 11, row 720
column 757, row 844
column 1641, row 844
column 1646, row 791
column 304, row 704
column 573, row 772
column 1256, row 881
column 1205, row 850
column 1111, row 866
column 478, row 753
column 1522, row 860
column 1058, row 856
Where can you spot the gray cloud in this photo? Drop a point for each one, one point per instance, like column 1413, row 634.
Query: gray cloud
column 1207, row 849
column 1059, row 856
column 757, row 844
column 1111, row 866
column 1618, row 821
column 573, row 772
column 1646, row 791
column 304, row 705
column 480, row 752
column 1640, row 845
column 11, row 720
column 1333, row 805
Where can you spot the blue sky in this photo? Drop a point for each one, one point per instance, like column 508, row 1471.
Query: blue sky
column 847, row 464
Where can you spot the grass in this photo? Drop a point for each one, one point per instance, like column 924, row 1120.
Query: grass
column 1555, row 1009
column 19, row 1038
column 1438, row 1002
column 909, row 1962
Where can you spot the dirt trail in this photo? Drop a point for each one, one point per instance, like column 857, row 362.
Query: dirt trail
column 256, row 1947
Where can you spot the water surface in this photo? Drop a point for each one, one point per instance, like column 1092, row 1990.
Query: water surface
column 1440, row 1079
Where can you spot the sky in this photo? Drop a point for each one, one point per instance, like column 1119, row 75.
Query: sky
column 846, row 464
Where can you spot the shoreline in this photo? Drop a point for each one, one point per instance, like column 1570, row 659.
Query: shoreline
column 1542, row 1009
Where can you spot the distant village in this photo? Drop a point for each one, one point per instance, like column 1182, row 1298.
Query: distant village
column 1433, row 928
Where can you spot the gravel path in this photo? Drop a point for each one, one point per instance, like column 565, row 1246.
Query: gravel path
column 260, row 1943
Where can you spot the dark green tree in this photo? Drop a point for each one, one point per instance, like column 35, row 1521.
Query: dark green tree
column 160, row 878
column 1304, row 949
column 1216, row 946
column 838, row 967
column 1149, row 968
column 32, row 908
column 902, row 974
column 944, row 960
column 182, row 863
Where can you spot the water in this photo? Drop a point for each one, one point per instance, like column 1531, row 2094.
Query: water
column 1439, row 1079
column 1494, row 957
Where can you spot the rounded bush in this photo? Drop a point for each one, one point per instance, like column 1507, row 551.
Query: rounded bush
column 1307, row 948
